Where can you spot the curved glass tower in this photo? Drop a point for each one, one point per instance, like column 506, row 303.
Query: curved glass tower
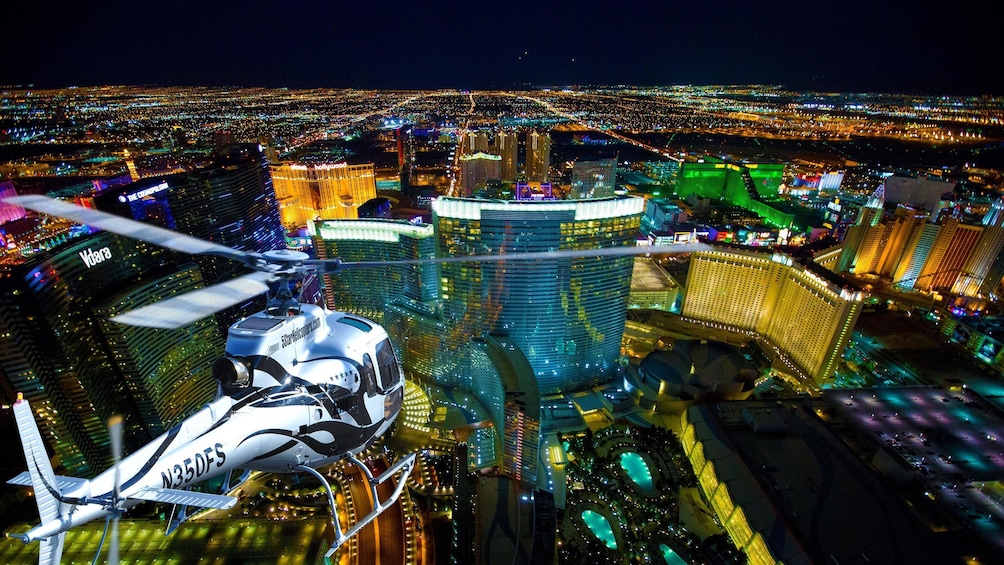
column 367, row 291
column 566, row 316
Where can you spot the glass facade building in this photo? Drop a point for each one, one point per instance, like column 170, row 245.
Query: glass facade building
column 329, row 191
column 593, row 179
column 59, row 349
column 231, row 202
column 566, row 316
column 367, row 291
column 167, row 373
column 806, row 313
column 538, row 156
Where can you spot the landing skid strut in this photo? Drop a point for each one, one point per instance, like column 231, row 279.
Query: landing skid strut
column 404, row 466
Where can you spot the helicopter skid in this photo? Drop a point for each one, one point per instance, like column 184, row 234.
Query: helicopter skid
column 403, row 466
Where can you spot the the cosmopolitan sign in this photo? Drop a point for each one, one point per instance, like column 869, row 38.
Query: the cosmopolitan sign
column 143, row 193
column 92, row 257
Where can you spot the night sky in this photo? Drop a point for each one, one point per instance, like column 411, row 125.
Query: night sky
column 919, row 46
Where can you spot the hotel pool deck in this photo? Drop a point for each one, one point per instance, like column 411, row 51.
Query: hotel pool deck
column 623, row 498
column 670, row 556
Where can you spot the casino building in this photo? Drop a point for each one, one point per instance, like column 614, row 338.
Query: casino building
column 802, row 311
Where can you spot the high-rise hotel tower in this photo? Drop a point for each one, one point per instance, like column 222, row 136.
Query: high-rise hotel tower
column 507, row 147
column 326, row 191
column 566, row 316
column 538, row 156
column 77, row 368
column 232, row 203
column 804, row 311
column 367, row 291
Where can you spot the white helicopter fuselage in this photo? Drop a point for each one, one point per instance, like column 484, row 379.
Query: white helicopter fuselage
column 320, row 386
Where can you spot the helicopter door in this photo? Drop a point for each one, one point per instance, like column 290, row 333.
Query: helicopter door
column 390, row 372
column 367, row 376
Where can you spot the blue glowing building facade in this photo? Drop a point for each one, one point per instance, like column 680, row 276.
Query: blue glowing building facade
column 231, row 202
column 566, row 316
column 77, row 368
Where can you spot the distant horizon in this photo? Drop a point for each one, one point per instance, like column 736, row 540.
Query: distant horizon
column 515, row 87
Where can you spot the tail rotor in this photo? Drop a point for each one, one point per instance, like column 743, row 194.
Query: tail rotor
column 115, row 434
column 115, row 431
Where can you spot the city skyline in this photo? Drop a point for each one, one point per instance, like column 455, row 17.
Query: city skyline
column 562, row 411
column 853, row 47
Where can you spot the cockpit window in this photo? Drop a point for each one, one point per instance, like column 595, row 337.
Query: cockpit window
column 387, row 362
column 289, row 399
column 260, row 324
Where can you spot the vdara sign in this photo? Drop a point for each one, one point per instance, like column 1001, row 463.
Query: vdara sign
column 92, row 257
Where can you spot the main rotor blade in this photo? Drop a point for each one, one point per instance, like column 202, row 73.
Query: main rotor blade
column 124, row 226
column 335, row 265
column 192, row 306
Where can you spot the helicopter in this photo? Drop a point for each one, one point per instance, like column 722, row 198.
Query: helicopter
column 298, row 387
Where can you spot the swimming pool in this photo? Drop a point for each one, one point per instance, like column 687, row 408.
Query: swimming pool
column 670, row 556
column 600, row 526
column 636, row 468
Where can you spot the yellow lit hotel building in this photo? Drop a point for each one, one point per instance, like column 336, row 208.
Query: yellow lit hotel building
column 804, row 312
column 328, row 191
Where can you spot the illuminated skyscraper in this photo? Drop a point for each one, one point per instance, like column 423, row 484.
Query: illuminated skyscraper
column 538, row 156
column 565, row 316
column 593, row 179
column 331, row 191
column 805, row 311
column 983, row 268
column 426, row 344
column 948, row 256
column 367, row 291
column 864, row 236
column 478, row 168
column 474, row 142
column 507, row 147
column 231, row 203
column 902, row 239
column 918, row 247
column 60, row 350
column 168, row 373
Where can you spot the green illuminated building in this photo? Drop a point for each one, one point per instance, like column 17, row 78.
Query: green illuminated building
column 749, row 185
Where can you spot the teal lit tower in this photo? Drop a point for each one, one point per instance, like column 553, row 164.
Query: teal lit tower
column 565, row 316
column 367, row 291
column 402, row 298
